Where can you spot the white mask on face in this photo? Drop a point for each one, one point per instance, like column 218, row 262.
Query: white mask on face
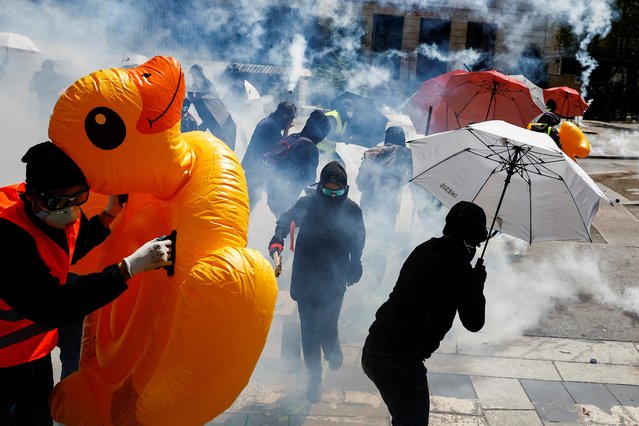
column 59, row 218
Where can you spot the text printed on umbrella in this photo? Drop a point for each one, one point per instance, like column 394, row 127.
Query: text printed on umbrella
column 448, row 190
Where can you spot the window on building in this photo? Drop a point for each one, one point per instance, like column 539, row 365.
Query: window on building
column 387, row 42
column 432, row 32
column 481, row 36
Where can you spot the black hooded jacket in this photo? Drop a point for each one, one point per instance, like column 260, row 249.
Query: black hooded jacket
column 330, row 241
column 435, row 283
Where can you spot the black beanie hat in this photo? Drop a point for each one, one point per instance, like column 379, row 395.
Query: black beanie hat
column 466, row 221
column 333, row 172
column 395, row 136
column 49, row 168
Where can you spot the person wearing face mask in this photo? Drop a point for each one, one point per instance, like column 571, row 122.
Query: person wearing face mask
column 327, row 260
column 338, row 118
column 44, row 231
column 436, row 282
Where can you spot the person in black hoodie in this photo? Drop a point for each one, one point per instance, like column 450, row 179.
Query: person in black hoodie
column 435, row 283
column 267, row 134
column 327, row 260
column 293, row 163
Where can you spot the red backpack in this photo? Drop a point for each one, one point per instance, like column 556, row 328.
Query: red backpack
column 280, row 152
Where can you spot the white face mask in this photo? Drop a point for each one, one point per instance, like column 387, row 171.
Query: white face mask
column 59, row 218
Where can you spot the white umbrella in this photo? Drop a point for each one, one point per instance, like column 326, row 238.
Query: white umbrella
column 536, row 92
column 18, row 43
column 132, row 60
column 549, row 196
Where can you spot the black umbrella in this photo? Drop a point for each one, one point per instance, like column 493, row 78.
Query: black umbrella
column 367, row 126
column 215, row 117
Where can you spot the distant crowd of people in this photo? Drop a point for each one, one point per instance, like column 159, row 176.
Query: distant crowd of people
column 339, row 239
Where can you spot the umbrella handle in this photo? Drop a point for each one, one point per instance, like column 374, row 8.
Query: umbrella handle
column 480, row 261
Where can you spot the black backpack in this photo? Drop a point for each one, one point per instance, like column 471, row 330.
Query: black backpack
column 280, row 153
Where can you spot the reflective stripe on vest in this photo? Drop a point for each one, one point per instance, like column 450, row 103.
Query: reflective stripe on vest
column 329, row 145
column 21, row 340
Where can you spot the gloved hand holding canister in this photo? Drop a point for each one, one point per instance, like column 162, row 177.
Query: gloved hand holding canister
column 151, row 255
column 275, row 246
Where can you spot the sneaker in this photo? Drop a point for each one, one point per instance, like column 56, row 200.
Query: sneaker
column 314, row 391
column 337, row 357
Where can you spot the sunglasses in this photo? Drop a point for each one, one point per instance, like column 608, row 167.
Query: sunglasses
column 58, row 202
column 333, row 192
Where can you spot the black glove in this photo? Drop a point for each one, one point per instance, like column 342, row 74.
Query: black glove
column 354, row 272
column 478, row 276
column 276, row 245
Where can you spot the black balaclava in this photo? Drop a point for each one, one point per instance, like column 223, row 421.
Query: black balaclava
column 333, row 172
column 49, row 168
column 466, row 221
column 343, row 108
column 317, row 127
column 395, row 136
column 284, row 114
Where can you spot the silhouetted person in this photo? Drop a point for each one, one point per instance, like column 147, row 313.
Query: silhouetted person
column 206, row 100
column 385, row 169
column 327, row 259
column 546, row 123
column 268, row 132
column 48, row 84
column 292, row 163
column 338, row 118
column 435, row 283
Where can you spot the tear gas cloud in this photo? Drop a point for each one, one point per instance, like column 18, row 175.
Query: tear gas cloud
column 83, row 36
column 620, row 142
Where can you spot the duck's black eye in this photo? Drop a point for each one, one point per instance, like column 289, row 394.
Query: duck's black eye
column 104, row 127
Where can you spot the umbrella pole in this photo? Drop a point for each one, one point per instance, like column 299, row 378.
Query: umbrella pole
column 492, row 97
column 430, row 113
column 509, row 173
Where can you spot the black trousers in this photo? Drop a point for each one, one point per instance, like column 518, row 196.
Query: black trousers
column 318, row 323
column 401, row 383
column 24, row 393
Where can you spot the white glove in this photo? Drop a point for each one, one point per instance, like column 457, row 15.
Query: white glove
column 152, row 255
column 113, row 207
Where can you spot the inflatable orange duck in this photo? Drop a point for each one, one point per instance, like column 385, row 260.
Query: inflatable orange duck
column 172, row 350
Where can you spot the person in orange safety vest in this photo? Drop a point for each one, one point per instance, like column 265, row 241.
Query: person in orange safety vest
column 43, row 232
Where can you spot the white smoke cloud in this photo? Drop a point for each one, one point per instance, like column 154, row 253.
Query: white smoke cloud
column 296, row 50
column 459, row 59
column 614, row 142
column 90, row 35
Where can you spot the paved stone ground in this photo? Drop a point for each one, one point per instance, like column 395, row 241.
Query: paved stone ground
column 519, row 381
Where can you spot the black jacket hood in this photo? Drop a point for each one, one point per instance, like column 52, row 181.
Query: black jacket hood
column 317, row 127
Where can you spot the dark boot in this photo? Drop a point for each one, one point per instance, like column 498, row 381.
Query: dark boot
column 314, row 390
column 336, row 358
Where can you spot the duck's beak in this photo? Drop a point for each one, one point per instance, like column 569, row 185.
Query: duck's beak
column 161, row 85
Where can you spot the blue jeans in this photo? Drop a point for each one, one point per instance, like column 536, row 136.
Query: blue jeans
column 401, row 383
